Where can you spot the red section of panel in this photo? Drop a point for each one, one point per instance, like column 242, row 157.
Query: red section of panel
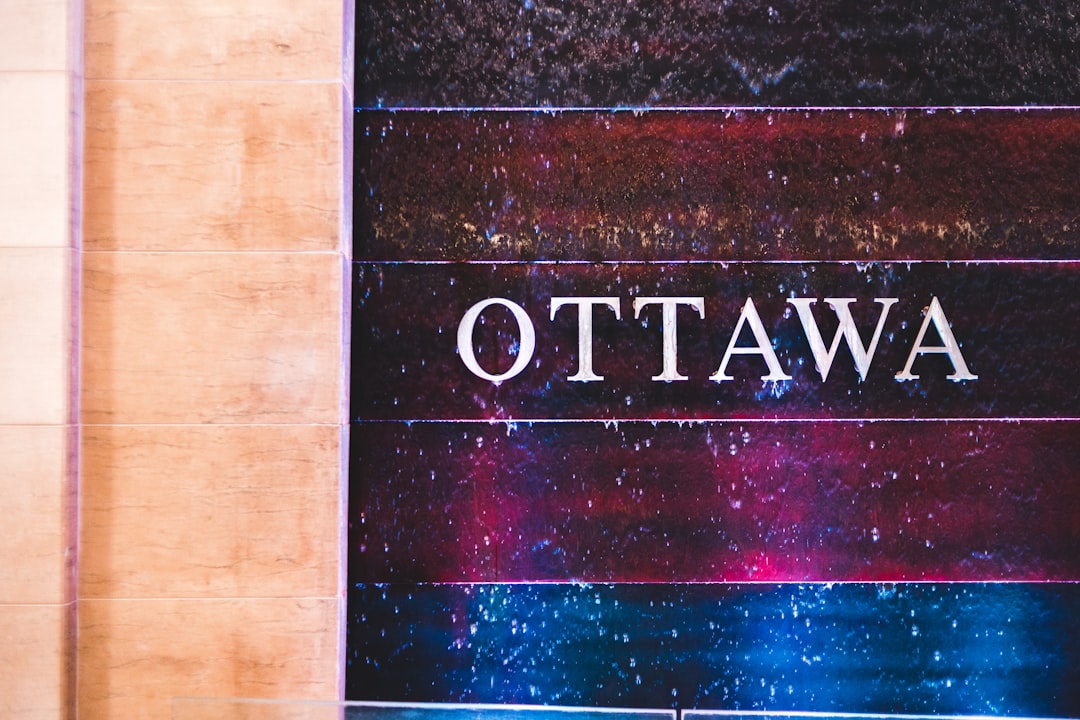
column 674, row 502
column 863, row 185
column 1017, row 328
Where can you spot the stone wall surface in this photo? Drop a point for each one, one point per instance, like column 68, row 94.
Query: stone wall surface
column 213, row 393
column 40, row 91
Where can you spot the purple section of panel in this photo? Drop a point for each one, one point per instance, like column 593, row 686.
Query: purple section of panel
column 420, row 504
column 1016, row 326
column 675, row 502
column 863, row 185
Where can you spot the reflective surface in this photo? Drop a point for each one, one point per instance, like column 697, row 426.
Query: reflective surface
column 998, row 649
column 829, row 538
column 680, row 502
column 692, row 52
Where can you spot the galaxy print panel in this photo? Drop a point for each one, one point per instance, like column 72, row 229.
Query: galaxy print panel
column 622, row 380
column 1008, row 649
column 717, row 185
column 459, row 53
column 731, row 501
column 715, row 340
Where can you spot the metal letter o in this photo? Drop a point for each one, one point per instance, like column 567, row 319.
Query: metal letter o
column 526, row 346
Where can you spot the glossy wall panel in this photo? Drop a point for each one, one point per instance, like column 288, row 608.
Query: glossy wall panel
column 749, row 184
column 735, row 441
column 504, row 450
column 1012, row 324
column 985, row 649
column 757, row 314
column 731, row 501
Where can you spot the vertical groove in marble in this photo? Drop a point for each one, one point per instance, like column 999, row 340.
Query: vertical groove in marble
column 40, row 150
column 345, row 245
column 76, row 27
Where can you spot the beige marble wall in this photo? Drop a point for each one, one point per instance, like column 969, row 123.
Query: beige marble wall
column 40, row 66
column 213, row 352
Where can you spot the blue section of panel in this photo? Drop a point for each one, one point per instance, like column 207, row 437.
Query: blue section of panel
column 951, row 648
column 392, row 711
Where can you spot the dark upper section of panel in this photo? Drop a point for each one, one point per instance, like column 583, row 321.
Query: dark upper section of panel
column 863, row 185
column 550, row 53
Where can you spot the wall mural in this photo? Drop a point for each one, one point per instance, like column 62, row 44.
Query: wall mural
column 703, row 360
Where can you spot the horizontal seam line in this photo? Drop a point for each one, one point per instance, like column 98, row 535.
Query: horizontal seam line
column 863, row 263
column 712, row 420
column 540, row 109
column 718, row 582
